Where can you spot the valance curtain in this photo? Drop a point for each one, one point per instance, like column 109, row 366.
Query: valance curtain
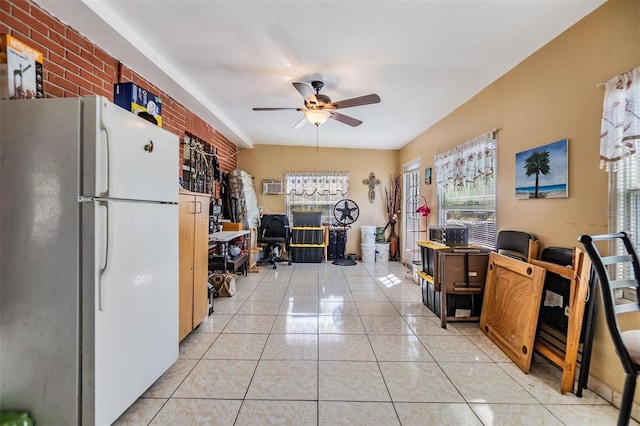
column 467, row 164
column 620, row 130
column 321, row 183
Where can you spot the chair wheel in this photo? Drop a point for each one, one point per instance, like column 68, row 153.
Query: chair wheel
column 274, row 266
column 289, row 262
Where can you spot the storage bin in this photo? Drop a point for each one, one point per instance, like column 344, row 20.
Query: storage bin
column 368, row 235
column 368, row 252
column 382, row 252
column 307, row 218
column 306, row 253
column 307, row 235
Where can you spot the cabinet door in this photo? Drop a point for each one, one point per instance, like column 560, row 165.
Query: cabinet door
column 186, row 238
column 200, row 258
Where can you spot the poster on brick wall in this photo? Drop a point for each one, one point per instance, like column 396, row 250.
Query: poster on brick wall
column 20, row 70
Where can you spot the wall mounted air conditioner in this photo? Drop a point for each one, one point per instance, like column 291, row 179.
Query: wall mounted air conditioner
column 272, row 187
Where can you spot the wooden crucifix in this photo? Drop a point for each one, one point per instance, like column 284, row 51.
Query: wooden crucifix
column 372, row 182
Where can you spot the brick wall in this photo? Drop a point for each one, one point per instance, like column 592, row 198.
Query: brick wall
column 74, row 66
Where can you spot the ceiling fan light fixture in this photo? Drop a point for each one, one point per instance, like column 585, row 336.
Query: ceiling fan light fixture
column 317, row 116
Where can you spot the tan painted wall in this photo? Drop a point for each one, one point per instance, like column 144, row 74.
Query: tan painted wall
column 271, row 161
column 552, row 95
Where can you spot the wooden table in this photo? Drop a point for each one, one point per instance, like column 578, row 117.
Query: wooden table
column 222, row 239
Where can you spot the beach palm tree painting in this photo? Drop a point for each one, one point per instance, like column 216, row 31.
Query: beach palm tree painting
column 542, row 172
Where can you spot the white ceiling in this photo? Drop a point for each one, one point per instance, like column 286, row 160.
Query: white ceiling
column 222, row 58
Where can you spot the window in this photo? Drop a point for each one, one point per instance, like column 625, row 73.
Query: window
column 411, row 219
column 619, row 136
column 465, row 176
column 315, row 191
column 625, row 209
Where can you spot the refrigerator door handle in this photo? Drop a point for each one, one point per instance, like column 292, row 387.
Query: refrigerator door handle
column 105, row 265
column 106, row 131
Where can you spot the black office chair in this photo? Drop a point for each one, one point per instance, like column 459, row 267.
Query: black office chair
column 627, row 343
column 274, row 235
column 517, row 244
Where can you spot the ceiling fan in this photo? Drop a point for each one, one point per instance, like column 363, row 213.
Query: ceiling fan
column 318, row 108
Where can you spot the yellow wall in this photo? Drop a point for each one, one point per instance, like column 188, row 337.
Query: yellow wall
column 552, row 95
column 271, row 161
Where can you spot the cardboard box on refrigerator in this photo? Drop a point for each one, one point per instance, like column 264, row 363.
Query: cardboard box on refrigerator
column 20, row 70
column 139, row 101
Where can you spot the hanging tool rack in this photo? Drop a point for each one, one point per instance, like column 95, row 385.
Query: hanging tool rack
column 197, row 167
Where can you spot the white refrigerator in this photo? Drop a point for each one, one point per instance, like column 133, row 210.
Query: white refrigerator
column 88, row 258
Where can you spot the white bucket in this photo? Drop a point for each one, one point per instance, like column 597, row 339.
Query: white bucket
column 382, row 252
column 368, row 252
column 368, row 235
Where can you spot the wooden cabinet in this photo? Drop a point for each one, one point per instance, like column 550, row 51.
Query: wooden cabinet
column 194, row 246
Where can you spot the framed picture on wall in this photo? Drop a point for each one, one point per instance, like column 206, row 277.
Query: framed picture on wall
column 427, row 175
column 543, row 172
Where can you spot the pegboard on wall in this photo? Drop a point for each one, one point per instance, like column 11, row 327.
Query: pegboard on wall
column 200, row 167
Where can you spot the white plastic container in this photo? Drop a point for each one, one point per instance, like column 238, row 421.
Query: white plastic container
column 368, row 235
column 382, row 252
column 368, row 252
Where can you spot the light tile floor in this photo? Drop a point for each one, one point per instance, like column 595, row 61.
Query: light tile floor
column 320, row 344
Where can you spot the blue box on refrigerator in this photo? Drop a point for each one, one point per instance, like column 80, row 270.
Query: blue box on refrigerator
column 139, row 101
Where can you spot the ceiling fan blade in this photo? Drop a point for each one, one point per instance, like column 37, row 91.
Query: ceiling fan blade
column 300, row 124
column 360, row 100
column 353, row 122
column 306, row 91
column 279, row 109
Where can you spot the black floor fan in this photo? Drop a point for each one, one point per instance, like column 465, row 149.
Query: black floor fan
column 346, row 212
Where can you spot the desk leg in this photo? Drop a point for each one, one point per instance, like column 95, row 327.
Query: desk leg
column 443, row 306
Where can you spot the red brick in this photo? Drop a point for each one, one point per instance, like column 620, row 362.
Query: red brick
column 80, row 82
column 89, row 56
column 48, row 44
column 64, row 63
column 78, row 39
column 5, row 6
column 14, row 23
column 42, row 16
column 54, row 69
column 64, row 42
column 63, row 82
column 105, row 76
column 85, row 92
column 76, row 59
column 29, row 20
column 89, row 76
column 53, row 91
column 57, row 26
column 104, row 56
column 22, row 5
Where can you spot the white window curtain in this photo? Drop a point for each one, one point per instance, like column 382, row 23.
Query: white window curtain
column 468, row 164
column 620, row 136
column 310, row 183
column 315, row 191
column 465, row 178
column 620, row 130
